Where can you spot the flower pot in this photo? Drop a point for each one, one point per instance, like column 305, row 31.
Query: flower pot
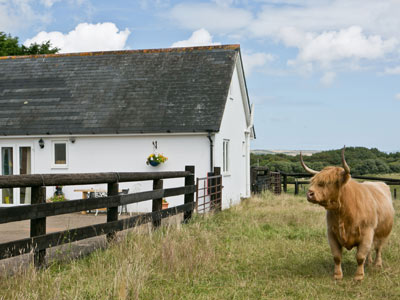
column 164, row 205
column 154, row 163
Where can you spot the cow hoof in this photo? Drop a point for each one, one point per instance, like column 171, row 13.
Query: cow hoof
column 338, row 276
column 378, row 265
column 358, row 277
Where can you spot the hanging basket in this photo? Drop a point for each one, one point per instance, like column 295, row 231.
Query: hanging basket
column 153, row 163
column 155, row 159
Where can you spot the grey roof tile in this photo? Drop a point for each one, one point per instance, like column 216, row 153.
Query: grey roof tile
column 138, row 91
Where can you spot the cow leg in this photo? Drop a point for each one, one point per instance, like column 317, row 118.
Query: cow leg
column 336, row 250
column 369, row 258
column 362, row 252
column 378, row 248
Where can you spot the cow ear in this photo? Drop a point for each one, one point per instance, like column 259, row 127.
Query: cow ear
column 345, row 177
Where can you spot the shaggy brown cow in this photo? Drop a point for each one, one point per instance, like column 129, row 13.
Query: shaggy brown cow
column 357, row 214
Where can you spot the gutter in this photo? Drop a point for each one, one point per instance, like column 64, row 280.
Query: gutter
column 211, row 151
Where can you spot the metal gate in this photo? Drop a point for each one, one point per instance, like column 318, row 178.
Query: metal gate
column 275, row 182
column 209, row 192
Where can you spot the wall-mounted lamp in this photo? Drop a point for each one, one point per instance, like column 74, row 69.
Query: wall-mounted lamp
column 72, row 140
column 41, row 143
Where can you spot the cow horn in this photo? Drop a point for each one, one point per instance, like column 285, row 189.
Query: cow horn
column 344, row 163
column 311, row 171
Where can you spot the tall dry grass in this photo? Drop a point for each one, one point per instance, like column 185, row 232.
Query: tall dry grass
column 268, row 247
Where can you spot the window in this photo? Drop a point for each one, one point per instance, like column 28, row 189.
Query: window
column 225, row 154
column 60, row 154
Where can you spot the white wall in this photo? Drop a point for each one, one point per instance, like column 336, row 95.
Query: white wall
column 119, row 154
column 237, row 181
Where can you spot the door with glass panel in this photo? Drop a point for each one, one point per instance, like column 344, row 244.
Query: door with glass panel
column 16, row 160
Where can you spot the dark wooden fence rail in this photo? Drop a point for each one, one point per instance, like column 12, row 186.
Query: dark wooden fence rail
column 37, row 212
column 388, row 181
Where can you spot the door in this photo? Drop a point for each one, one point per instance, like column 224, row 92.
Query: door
column 15, row 160
column 7, row 168
column 25, row 167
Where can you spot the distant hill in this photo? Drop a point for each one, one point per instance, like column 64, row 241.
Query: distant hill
column 286, row 152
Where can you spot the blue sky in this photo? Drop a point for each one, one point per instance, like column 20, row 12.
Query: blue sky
column 320, row 73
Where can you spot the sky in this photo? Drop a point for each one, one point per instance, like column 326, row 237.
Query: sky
column 321, row 73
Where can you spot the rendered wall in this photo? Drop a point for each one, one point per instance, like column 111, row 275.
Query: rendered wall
column 237, row 181
column 118, row 154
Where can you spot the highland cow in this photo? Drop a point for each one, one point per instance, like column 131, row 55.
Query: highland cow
column 357, row 214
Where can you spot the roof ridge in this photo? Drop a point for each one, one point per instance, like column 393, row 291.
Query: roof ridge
column 158, row 50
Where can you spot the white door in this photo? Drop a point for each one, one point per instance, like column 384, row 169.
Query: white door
column 15, row 159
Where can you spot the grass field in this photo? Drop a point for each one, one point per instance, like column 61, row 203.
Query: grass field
column 270, row 247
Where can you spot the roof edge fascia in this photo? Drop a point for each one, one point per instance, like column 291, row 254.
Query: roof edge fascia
column 244, row 92
column 4, row 137
column 116, row 52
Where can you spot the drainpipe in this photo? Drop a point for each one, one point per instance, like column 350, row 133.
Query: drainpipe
column 211, row 151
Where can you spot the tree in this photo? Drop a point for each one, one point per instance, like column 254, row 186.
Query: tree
column 10, row 46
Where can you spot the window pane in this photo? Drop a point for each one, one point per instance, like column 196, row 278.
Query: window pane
column 7, row 169
column 60, row 154
column 225, row 156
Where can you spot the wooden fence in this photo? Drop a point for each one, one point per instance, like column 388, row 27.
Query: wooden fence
column 37, row 212
column 388, row 181
column 262, row 179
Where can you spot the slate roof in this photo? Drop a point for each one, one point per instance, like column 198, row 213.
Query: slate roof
column 137, row 91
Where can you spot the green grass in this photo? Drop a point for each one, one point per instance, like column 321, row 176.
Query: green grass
column 270, row 247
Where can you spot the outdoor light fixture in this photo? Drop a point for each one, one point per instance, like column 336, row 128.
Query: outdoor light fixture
column 72, row 140
column 41, row 143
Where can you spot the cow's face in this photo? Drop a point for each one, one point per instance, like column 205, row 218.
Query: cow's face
column 326, row 184
column 325, row 187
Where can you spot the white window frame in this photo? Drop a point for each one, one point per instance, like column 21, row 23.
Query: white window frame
column 53, row 154
column 226, row 157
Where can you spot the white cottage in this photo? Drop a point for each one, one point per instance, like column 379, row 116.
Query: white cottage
column 106, row 111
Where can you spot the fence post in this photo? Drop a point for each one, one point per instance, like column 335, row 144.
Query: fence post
column 253, row 180
column 157, row 203
column 394, row 193
column 210, row 189
column 218, row 189
column 296, row 187
column 38, row 226
column 284, row 183
column 189, row 180
column 112, row 212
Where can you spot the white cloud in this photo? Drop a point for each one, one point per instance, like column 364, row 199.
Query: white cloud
column 397, row 96
column 49, row 3
column 346, row 44
column 252, row 61
column 375, row 17
column 18, row 14
column 147, row 4
column 85, row 37
column 199, row 37
column 354, row 33
column 213, row 17
column 392, row 71
column 328, row 78
column 225, row 3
